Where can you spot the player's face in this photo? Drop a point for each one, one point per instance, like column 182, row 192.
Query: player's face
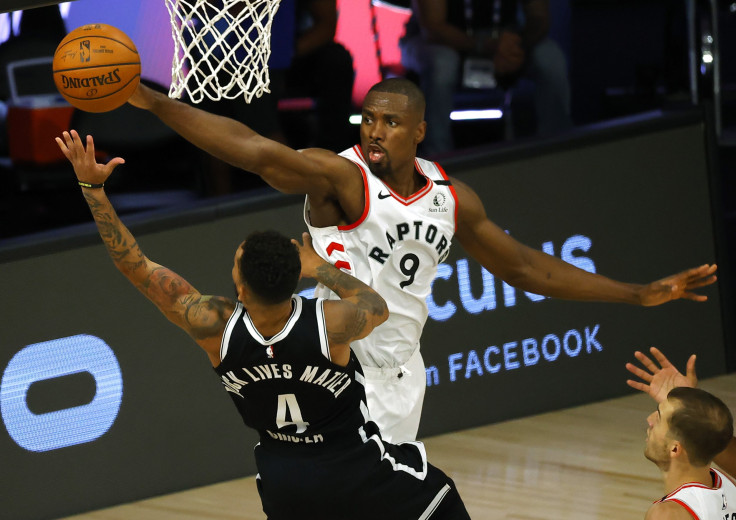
column 389, row 132
column 658, row 441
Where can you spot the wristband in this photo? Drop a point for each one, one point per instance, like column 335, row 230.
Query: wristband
column 90, row 185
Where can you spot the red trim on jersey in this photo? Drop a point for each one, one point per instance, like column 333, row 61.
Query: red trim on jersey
column 366, row 194
column 452, row 190
column 717, row 482
column 334, row 246
column 342, row 264
column 687, row 507
column 411, row 199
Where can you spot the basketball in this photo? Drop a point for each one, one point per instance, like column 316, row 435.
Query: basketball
column 96, row 67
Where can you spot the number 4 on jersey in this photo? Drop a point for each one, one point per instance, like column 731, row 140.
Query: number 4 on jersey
column 287, row 402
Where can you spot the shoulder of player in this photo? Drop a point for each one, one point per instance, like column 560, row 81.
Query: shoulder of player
column 667, row 510
column 469, row 205
column 344, row 179
column 459, row 185
column 333, row 165
column 206, row 320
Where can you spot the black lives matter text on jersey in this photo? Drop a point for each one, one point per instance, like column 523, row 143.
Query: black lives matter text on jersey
column 332, row 380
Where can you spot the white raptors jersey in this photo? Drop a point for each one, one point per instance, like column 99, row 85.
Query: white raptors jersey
column 395, row 248
column 706, row 503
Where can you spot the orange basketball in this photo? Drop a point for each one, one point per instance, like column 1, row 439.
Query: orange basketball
column 96, row 67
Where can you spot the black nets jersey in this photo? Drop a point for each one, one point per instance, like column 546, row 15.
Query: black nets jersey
column 286, row 387
column 320, row 456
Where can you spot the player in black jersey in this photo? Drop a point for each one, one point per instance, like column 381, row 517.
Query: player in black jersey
column 287, row 364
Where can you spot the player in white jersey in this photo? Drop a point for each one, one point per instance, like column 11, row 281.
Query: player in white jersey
column 701, row 502
column 660, row 377
column 395, row 248
column 341, row 199
column 689, row 428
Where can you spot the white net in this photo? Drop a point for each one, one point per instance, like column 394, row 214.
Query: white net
column 221, row 48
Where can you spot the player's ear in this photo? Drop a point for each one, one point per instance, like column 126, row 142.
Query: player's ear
column 676, row 449
column 242, row 291
column 420, row 132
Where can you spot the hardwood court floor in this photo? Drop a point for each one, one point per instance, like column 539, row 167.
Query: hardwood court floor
column 581, row 463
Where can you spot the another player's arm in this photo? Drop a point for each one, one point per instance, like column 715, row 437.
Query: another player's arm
column 538, row 272
column 202, row 317
column 359, row 310
column 320, row 174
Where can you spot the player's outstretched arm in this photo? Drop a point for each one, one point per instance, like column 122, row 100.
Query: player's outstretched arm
column 319, row 174
column 202, row 317
column 540, row 273
column 359, row 310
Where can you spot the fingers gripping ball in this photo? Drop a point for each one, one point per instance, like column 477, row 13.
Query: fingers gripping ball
column 96, row 67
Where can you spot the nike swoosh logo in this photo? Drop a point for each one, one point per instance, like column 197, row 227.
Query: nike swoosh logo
column 382, row 195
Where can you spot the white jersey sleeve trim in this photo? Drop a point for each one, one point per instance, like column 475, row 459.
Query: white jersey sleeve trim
column 231, row 321
column 322, row 327
column 435, row 502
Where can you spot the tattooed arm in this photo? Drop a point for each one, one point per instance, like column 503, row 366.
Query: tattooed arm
column 359, row 310
column 202, row 317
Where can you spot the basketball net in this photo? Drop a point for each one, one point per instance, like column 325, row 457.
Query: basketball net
column 221, row 48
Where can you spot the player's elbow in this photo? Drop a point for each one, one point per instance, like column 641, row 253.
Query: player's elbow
column 133, row 271
column 373, row 314
column 381, row 314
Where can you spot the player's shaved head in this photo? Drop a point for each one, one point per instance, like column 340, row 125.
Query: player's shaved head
column 405, row 87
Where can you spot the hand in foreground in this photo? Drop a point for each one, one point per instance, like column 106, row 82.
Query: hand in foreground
column 663, row 378
column 83, row 160
column 679, row 285
column 308, row 256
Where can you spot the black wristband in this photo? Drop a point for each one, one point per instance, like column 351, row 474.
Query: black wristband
column 90, row 185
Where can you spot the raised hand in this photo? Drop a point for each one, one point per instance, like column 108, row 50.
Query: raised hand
column 679, row 285
column 661, row 376
column 83, row 159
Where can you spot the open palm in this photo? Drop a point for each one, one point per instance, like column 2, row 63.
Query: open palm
column 661, row 376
